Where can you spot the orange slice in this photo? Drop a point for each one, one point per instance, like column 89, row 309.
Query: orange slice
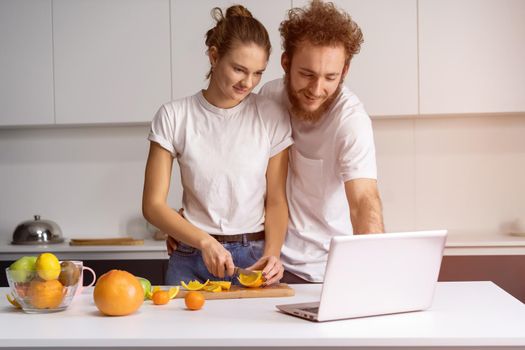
column 251, row 280
column 212, row 288
column 173, row 291
column 13, row 301
column 225, row 285
column 194, row 285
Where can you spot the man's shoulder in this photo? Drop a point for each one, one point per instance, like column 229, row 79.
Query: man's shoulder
column 347, row 105
column 269, row 109
column 273, row 89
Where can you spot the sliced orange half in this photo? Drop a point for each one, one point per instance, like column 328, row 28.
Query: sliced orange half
column 225, row 285
column 194, row 285
column 251, row 280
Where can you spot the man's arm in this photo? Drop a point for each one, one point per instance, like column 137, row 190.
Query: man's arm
column 365, row 206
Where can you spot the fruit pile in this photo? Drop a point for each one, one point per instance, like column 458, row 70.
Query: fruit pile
column 42, row 282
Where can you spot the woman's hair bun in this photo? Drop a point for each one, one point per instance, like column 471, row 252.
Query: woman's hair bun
column 239, row 11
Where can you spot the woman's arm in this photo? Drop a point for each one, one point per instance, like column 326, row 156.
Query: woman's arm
column 276, row 218
column 156, row 210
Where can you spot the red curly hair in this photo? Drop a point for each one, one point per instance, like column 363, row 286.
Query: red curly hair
column 321, row 24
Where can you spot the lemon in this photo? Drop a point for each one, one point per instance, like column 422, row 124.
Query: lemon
column 251, row 280
column 47, row 266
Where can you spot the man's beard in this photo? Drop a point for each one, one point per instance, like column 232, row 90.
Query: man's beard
column 309, row 116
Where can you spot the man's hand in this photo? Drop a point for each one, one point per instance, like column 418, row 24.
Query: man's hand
column 171, row 244
column 272, row 269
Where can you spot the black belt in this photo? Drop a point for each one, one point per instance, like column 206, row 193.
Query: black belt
column 255, row 236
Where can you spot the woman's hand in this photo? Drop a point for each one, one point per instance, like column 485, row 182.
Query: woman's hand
column 272, row 269
column 217, row 259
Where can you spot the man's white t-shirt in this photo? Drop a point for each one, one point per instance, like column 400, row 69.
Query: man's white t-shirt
column 326, row 154
column 223, row 155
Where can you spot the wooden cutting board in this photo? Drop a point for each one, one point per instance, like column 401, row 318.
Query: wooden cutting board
column 240, row 292
column 106, row 241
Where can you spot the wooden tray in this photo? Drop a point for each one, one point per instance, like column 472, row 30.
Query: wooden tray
column 106, row 241
column 239, row 292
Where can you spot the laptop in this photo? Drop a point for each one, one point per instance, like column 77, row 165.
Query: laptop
column 376, row 274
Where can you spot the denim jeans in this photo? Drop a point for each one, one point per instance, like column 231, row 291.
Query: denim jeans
column 186, row 262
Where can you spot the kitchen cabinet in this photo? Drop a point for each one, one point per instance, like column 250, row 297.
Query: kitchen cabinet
column 507, row 271
column 112, row 60
column 26, row 63
column 384, row 74
column 190, row 62
column 471, row 56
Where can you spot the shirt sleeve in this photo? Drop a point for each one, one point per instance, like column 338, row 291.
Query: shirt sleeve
column 277, row 123
column 356, row 149
column 162, row 130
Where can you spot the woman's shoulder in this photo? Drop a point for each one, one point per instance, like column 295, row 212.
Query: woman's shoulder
column 171, row 107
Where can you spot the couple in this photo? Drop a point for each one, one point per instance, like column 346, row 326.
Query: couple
column 252, row 196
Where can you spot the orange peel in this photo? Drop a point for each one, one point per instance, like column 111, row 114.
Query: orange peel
column 194, row 285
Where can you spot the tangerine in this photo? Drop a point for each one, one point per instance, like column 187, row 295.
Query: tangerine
column 46, row 294
column 118, row 293
column 161, row 297
column 194, row 300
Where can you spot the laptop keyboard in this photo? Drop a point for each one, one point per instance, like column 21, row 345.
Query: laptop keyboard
column 313, row 310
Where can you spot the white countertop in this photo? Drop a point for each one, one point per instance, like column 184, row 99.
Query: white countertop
column 152, row 249
column 463, row 314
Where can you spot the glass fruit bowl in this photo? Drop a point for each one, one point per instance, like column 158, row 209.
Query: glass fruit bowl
column 37, row 292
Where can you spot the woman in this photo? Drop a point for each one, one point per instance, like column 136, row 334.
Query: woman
column 231, row 146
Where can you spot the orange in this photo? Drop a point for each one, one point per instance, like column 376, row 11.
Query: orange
column 118, row 293
column 46, row 294
column 161, row 297
column 194, row 300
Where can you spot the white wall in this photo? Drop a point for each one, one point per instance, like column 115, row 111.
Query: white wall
column 462, row 173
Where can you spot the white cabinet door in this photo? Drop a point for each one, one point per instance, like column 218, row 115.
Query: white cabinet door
column 26, row 63
column 384, row 74
column 190, row 20
column 112, row 60
column 472, row 56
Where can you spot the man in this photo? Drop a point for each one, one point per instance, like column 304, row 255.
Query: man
column 331, row 185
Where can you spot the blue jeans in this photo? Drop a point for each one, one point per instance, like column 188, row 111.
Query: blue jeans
column 186, row 262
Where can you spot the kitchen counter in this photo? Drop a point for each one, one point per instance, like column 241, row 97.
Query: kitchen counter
column 152, row 249
column 463, row 315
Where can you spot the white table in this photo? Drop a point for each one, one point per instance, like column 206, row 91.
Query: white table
column 463, row 315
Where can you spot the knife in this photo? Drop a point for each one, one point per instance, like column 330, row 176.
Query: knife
column 238, row 270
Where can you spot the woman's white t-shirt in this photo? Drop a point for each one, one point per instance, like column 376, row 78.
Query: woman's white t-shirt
column 223, row 155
